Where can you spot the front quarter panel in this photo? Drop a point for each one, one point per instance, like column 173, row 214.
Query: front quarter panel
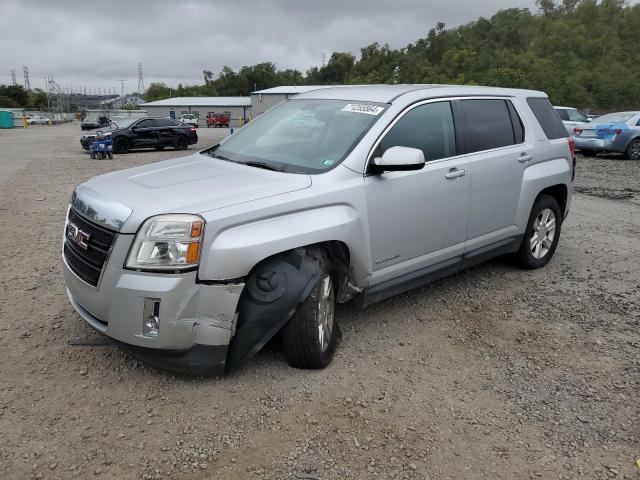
column 243, row 235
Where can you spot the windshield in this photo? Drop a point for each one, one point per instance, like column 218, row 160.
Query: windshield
column 301, row 136
column 618, row 117
column 124, row 122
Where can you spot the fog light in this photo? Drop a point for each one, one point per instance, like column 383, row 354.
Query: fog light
column 150, row 317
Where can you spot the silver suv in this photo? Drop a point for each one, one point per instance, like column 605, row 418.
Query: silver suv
column 337, row 195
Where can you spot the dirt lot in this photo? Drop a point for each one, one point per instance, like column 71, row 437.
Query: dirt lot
column 493, row 373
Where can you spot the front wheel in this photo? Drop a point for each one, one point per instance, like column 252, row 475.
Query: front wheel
column 633, row 150
column 121, row 145
column 310, row 337
column 542, row 233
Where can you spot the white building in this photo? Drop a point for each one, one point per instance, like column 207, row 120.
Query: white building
column 263, row 100
column 238, row 108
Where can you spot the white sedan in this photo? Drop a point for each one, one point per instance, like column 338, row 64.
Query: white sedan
column 38, row 120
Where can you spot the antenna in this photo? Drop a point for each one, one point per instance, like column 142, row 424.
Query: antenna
column 140, row 79
column 13, row 78
column 25, row 71
column 121, row 87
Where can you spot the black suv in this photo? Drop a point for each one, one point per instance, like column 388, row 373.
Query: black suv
column 158, row 133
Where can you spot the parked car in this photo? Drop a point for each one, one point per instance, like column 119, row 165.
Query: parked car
column 147, row 132
column 614, row 132
column 571, row 117
column 189, row 119
column 193, row 264
column 218, row 120
column 38, row 120
column 95, row 122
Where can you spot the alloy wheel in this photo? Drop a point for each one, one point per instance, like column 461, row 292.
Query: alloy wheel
column 544, row 232
column 326, row 310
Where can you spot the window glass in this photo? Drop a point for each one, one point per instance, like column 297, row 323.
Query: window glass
column 576, row 116
column 164, row 122
column 427, row 127
column 488, row 124
column 147, row 123
column 562, row 113
column 547, row 117
column 196, row 113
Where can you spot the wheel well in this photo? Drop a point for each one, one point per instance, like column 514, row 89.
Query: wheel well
column 559, row 192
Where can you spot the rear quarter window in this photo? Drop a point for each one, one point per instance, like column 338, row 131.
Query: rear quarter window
column 547, row 118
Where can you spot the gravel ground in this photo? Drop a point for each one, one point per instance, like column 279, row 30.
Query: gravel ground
column 493, row 373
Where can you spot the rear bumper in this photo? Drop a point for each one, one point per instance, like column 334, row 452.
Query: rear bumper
column 193, row 140
column 600, row 144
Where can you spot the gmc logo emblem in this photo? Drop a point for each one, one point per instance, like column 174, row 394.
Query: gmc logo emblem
column 77, row 236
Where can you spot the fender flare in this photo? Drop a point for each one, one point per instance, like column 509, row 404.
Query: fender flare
column 274, row 288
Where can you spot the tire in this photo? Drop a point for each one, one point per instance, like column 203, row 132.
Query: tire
column 182, row 143
column 311, row 336
column 121, row 145
column 588, row 153
column 633, row 150
column 535, row 254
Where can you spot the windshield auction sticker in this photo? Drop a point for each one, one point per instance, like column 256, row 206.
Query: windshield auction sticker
column 363, row 108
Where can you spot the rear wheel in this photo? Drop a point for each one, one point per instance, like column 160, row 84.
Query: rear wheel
column 121, row 145
column 542, row 233
column 311, row 336
column 633, row 150
column 181, row 143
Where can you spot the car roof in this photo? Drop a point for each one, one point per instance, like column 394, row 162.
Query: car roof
column 564, row 108
column 389, row 93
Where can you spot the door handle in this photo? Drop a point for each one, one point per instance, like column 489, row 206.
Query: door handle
column 525, row 158
column 455, row 173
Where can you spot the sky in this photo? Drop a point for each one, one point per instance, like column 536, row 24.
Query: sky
column 94, row 45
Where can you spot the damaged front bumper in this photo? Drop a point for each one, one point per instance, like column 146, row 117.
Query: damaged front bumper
column 195, row 322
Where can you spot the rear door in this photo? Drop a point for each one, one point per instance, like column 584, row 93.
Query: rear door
column 166, row 132
column 146, row 133
column 418, row 219
column 498, row 150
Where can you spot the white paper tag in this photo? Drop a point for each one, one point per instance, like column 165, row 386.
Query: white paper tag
column 363, row 108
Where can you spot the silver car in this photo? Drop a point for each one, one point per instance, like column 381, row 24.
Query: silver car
column 614, row 132
column 345, row 194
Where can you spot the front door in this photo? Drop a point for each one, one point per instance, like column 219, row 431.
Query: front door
column 146, row 133
column 418, row 219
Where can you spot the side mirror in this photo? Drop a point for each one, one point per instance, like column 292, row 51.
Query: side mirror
column 588, row 119
column 399, row 159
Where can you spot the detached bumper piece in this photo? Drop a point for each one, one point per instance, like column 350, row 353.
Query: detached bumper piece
column 198, row 360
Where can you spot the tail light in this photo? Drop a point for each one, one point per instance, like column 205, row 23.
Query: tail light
column 577, row 130
column 192, row 129
column 617, row 131
column 572, row 146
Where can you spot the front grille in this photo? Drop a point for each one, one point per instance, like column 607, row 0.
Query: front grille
column 87, row 264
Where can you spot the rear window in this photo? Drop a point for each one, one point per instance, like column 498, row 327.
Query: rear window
column 488, row 125
column 548, row 118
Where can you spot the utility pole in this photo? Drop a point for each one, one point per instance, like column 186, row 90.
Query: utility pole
column 46, row 90
column 121, row 87
column 140, row 79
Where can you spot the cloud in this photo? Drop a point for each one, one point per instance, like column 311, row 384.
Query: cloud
column 97, row 43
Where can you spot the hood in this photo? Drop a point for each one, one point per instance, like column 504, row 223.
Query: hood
column 192, row 184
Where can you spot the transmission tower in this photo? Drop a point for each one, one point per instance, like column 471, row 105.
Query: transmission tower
column 140, row 79
column 121, row 87
column 25, row 71
column 13, row 78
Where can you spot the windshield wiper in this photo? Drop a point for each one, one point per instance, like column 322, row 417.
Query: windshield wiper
column 266, row 166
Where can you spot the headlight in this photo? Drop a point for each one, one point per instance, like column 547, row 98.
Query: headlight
column 167, row 242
